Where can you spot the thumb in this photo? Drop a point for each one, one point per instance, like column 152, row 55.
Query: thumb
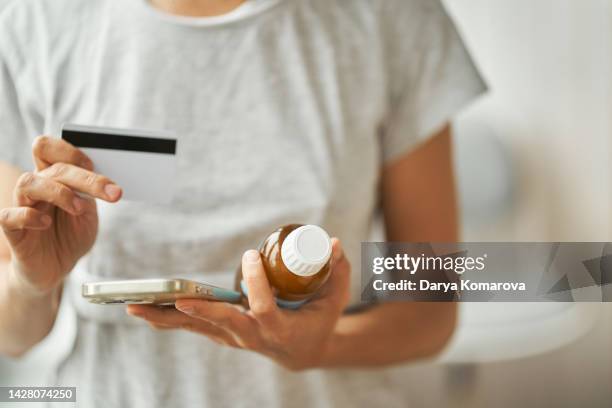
column 261, row 299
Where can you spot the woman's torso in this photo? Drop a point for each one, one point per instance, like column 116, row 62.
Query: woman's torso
column 277, row 118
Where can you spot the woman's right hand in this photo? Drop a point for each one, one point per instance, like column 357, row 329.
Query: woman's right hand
column 50, row 227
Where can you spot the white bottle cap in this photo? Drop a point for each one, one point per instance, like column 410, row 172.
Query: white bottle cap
column 306, row 250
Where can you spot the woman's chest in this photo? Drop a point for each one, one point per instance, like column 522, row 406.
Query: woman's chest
column 257, row 125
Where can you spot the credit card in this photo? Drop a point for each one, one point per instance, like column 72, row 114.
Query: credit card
column 141, row 162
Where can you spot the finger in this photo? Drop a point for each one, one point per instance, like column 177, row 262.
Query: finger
column 160, row 326
column 23, row 218
column 337, row 251
column 48, row 150
column 335, row 293
column 158, row 315
column 31, row 189
column 261, row 299
column 169, row 317
column 224, row 316
column 83, row 181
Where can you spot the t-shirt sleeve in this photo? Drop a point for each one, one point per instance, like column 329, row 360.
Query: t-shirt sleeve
column 431, row 73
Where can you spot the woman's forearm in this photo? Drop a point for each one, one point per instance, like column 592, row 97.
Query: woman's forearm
column 390, row 333
column 25, row 318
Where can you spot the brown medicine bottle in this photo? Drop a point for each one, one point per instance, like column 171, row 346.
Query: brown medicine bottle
column 296, row 260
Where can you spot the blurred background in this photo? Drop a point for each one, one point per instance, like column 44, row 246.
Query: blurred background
column 534, row 164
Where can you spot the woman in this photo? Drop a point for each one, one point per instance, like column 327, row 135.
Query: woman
column 306, row 111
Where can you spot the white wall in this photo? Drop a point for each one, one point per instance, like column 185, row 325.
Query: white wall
column 549, row 63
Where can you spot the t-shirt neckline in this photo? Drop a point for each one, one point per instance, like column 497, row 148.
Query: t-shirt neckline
column 246, row 10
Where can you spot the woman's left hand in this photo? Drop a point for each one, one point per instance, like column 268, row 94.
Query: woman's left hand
column 296, row 339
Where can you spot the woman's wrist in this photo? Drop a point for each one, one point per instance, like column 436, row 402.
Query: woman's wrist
column 331, row 355
column 26, row 315
column 19, row 287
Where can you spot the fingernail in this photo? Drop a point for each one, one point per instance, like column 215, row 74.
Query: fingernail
column 112, row 191
column 77, row 204
column 133, row 312
column 337, row 253
column 45, row 220
column 251, row 256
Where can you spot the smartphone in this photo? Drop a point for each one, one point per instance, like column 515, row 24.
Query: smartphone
column 154, row 291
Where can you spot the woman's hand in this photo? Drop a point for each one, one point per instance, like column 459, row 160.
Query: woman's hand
column 50, row 227
column 296, row 339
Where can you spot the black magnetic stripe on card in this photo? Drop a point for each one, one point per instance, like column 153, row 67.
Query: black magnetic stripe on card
column 119, row 142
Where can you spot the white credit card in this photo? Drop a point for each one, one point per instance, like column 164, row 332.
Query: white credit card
column 141, row 162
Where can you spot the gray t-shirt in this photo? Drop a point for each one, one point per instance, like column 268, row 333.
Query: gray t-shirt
column 285, row 113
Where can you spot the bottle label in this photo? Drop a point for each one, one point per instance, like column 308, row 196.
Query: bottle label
column 285, row 304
